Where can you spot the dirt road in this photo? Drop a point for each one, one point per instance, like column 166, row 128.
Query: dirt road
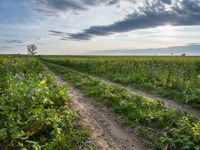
column 106, row 132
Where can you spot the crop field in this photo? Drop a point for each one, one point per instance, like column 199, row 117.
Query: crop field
column 34, row 112
column 38, row 113
column 177, row 78
column 99, row 74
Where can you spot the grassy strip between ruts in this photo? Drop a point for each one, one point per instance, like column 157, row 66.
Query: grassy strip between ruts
column 161, row 127
column 33, row 111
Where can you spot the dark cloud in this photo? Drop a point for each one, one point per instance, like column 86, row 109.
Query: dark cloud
column 61, row 5
column 66, row 36
column 14, row 41
column 167, row 1
column 153, row 14
column 112, row 2
column 97, row 2
column 57, row 33
column 52, row 7
column 79, row 36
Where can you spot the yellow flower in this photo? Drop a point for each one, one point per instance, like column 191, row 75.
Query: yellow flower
column 42, row 82
column 196, row 130
column 150, row 101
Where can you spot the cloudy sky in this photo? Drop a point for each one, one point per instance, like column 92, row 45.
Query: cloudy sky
column 87, row 26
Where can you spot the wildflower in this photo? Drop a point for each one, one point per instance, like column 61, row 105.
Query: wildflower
column 150, row 101
column 196, row 130
column 42, row 82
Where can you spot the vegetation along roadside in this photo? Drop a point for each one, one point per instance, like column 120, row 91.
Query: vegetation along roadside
column 161, row 127
column 34, row 112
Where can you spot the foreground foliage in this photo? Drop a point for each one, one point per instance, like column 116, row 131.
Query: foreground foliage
column 161, row 127
column 177, row 78
column 33, row 111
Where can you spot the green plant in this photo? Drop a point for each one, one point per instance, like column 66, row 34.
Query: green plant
column 34, row 112
column 177, row 78
column 162, row 127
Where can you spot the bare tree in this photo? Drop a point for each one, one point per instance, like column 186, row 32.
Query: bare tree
column 183, row 54
column 31, row 49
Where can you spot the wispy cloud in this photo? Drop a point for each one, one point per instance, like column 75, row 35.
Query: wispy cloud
column 14, row 41
column 5, row 47
column 57, row 33
column 54, row 7
column 167, row 1
column 65, row 36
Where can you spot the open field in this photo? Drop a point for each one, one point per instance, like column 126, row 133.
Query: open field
column 161, row 127
column 176, row 78
column 96, row 107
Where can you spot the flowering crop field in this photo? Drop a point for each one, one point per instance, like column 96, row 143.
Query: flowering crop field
column 177, row 78
column 34, row 112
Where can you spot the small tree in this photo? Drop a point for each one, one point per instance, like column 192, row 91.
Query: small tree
column 31, row 49
column 183, row 54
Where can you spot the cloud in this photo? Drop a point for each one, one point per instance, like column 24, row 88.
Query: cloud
column 54, row 7
column 5, row 47
column 14, row 41
column 65, row 36
column 57, row 33
column 152, row 14
column 167, row 1
column 61, row 5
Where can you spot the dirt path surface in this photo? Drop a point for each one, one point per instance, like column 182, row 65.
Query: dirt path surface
column 106, row 132
column 168, row 103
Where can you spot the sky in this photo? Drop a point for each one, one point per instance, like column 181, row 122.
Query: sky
column 77, row 27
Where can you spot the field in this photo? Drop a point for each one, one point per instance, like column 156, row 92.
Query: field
column 177, row 78
column 34, row 112
column 38, row 113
